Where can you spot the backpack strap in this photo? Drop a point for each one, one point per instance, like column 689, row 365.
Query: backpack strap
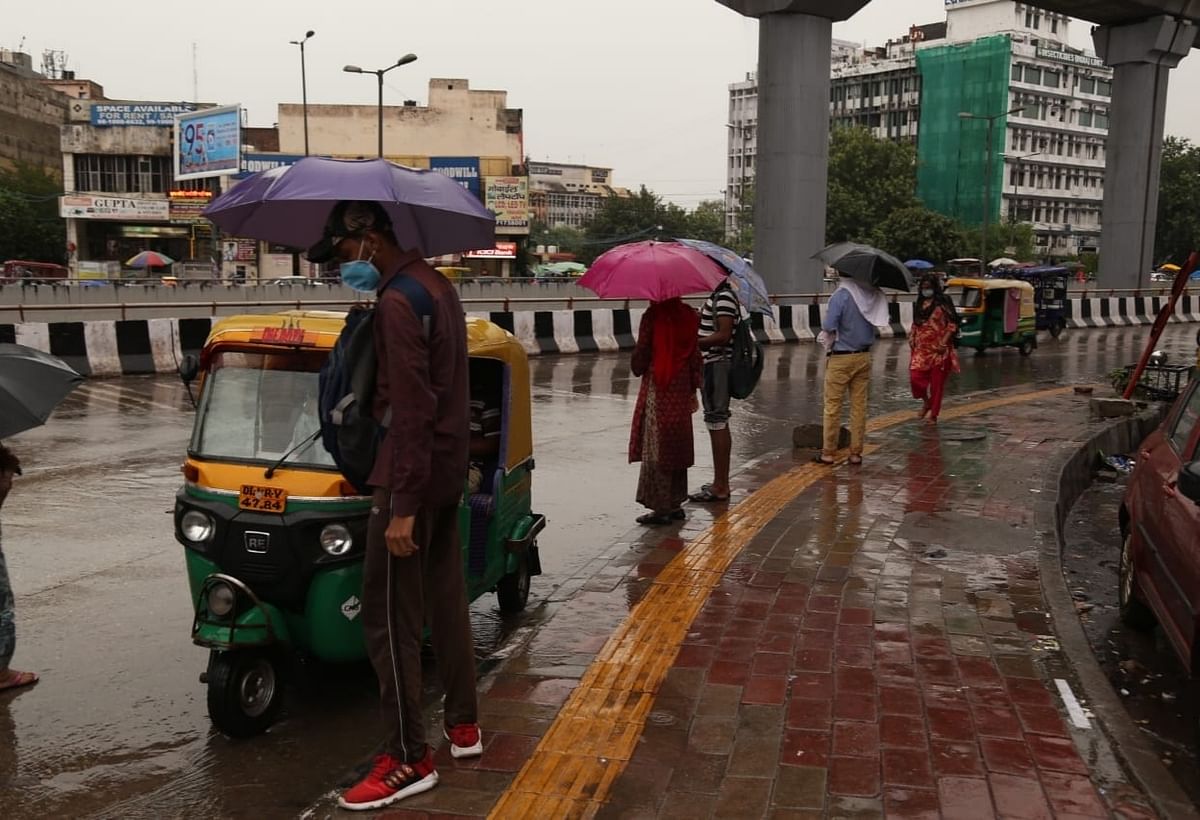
column 418, row 297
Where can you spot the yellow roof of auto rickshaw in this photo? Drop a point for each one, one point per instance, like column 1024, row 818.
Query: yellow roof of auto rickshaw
column 990, row 284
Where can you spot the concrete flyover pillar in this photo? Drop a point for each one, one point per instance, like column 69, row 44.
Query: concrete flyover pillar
column 1142, row 56
column 791, row 173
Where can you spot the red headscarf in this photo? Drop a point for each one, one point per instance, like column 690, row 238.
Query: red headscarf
column 675, row 332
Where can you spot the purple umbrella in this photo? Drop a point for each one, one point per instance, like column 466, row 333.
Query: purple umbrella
column 289, row 205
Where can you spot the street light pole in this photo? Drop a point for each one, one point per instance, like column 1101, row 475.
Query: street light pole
column 987, row 182
column 304, row 84
column 379, row 72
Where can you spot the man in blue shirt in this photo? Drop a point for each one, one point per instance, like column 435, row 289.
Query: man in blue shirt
column 850, row 320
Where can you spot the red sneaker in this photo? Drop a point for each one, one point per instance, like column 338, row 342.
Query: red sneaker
column 465, row 740
column 389, row 781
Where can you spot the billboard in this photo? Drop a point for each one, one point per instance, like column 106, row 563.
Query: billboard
column 208, row 143
column 253, row 163
column 464, row 170
column 87, row 206
column 160, row 114
column 508, row 199
column 502, row 250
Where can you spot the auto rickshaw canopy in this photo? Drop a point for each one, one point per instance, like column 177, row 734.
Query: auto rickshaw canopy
column 1028, row 309
column 319, row 330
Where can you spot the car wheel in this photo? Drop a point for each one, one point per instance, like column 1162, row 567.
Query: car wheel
column 1133, row 612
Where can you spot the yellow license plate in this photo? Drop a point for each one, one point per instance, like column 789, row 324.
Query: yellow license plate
column 262, row 499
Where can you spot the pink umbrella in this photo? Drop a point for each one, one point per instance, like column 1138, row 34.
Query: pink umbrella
column 652, row 270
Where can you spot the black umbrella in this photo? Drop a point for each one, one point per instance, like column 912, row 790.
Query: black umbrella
column 32, row 384
column 868, row 265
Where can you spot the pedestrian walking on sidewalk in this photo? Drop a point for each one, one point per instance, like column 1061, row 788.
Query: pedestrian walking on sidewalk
column 935, row 324
column 10, row 678
column 847, row 333
column 413, row 562
column 667, row 358
column 719, row 317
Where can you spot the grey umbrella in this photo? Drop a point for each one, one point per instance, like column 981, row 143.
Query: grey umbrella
column 868, row 265
column 32, row 384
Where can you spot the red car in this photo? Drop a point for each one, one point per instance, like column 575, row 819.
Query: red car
column 1160, row 527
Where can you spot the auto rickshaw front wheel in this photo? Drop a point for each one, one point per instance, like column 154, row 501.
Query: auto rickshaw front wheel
column 245, row 691
column 1057, row 328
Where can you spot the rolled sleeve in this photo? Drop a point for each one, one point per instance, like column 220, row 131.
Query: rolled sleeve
column 833, row 313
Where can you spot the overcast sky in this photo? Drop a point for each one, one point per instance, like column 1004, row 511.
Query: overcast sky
column 638, row 85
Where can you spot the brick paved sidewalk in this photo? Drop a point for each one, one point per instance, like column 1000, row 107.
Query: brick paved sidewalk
column 879, row 646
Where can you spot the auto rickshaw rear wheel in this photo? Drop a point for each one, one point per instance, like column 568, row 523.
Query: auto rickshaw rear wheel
column 1057, row 328
column 512, row 592
column 245, row 691
column 1027, row 347
column 1133, row 612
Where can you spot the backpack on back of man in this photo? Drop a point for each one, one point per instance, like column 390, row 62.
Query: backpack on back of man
column 349, row 431
column 747, row 364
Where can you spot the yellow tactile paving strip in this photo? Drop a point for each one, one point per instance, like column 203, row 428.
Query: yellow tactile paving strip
column 590, row 742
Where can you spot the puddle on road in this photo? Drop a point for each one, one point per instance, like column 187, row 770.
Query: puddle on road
column 1141, row 666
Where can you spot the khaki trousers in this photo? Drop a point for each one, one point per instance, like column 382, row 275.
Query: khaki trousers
column 849, row 372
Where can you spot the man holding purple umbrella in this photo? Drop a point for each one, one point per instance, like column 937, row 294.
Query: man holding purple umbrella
column 413, row 561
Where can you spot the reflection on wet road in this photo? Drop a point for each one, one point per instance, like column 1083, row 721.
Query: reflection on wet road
column 118, row 727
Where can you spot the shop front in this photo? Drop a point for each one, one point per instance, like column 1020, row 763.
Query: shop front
column 113, row 229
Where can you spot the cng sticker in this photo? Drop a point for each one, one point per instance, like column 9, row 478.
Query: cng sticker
column 351, row 607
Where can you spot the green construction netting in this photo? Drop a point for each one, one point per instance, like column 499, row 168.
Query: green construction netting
column 952, row 160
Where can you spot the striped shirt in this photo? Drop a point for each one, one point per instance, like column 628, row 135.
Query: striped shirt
column 722, row 302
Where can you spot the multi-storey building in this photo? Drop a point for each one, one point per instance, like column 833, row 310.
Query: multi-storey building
column 1046, row 161
column 562, row 194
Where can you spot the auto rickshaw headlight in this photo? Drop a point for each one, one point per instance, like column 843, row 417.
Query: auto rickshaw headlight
column 197, row 526
column 221, row 599
column 336, row 539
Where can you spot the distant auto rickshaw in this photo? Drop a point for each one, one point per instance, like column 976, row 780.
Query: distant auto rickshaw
column 274, row 536
column 995, row 313
column 1049, row 295
column 965, row 266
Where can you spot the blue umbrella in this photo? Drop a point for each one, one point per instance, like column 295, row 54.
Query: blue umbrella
column 750, row 288
column 918, row 264
column 289, row 205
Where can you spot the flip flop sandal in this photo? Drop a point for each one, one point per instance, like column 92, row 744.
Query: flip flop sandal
column 855, row 461
column 707, row 496
column 820, row 459
column 18, row 680
column 653, row 520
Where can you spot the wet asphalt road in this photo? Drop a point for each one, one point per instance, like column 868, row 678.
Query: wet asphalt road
column 1142, row 666
column 118, row 727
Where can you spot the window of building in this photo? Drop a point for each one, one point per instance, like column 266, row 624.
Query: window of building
column 1028, row 17
column 1017, row 72
column 1100, row 120
column 1051, row 78
column 122, row 174
column 1085, row 118
column 1087, row 85
column 1037, row 20
column 1104, row 88
column 1033, row 75
column 1054, row 25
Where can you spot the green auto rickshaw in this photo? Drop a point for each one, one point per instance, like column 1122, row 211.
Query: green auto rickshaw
column 995, row 313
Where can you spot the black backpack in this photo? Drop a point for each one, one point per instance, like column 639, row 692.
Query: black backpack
column 747, row 363
column 349, row 431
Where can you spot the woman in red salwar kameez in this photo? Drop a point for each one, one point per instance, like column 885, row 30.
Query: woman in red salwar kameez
column 668, row 360
column 935, row 323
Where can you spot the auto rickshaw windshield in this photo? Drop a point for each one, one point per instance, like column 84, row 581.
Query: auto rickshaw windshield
column 256, row 407
column 965, row 297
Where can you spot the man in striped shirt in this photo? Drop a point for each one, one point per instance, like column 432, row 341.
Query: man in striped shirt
column 718, row 317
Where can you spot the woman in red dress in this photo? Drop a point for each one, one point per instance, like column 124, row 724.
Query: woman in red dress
column 668, row 360
column 935, row 323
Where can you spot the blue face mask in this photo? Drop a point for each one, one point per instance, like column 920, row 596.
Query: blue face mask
column 360, row 275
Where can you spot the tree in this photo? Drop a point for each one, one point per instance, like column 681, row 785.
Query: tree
column 869, row 179
column 707, row 222
column 1005, row 239
column 1178, row 232
column 916, row 232
column 30, row 227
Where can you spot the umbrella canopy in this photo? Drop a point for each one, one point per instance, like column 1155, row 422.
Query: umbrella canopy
column 32, row 384
column 750, row 288
column 918, row 264
column 290, row 205
column 149, row 259
column 652, row 270
column 1003, row 262
column 564, row 268
column 868, row 265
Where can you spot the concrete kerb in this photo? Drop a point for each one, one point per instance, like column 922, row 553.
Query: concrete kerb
column 1128, row 742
